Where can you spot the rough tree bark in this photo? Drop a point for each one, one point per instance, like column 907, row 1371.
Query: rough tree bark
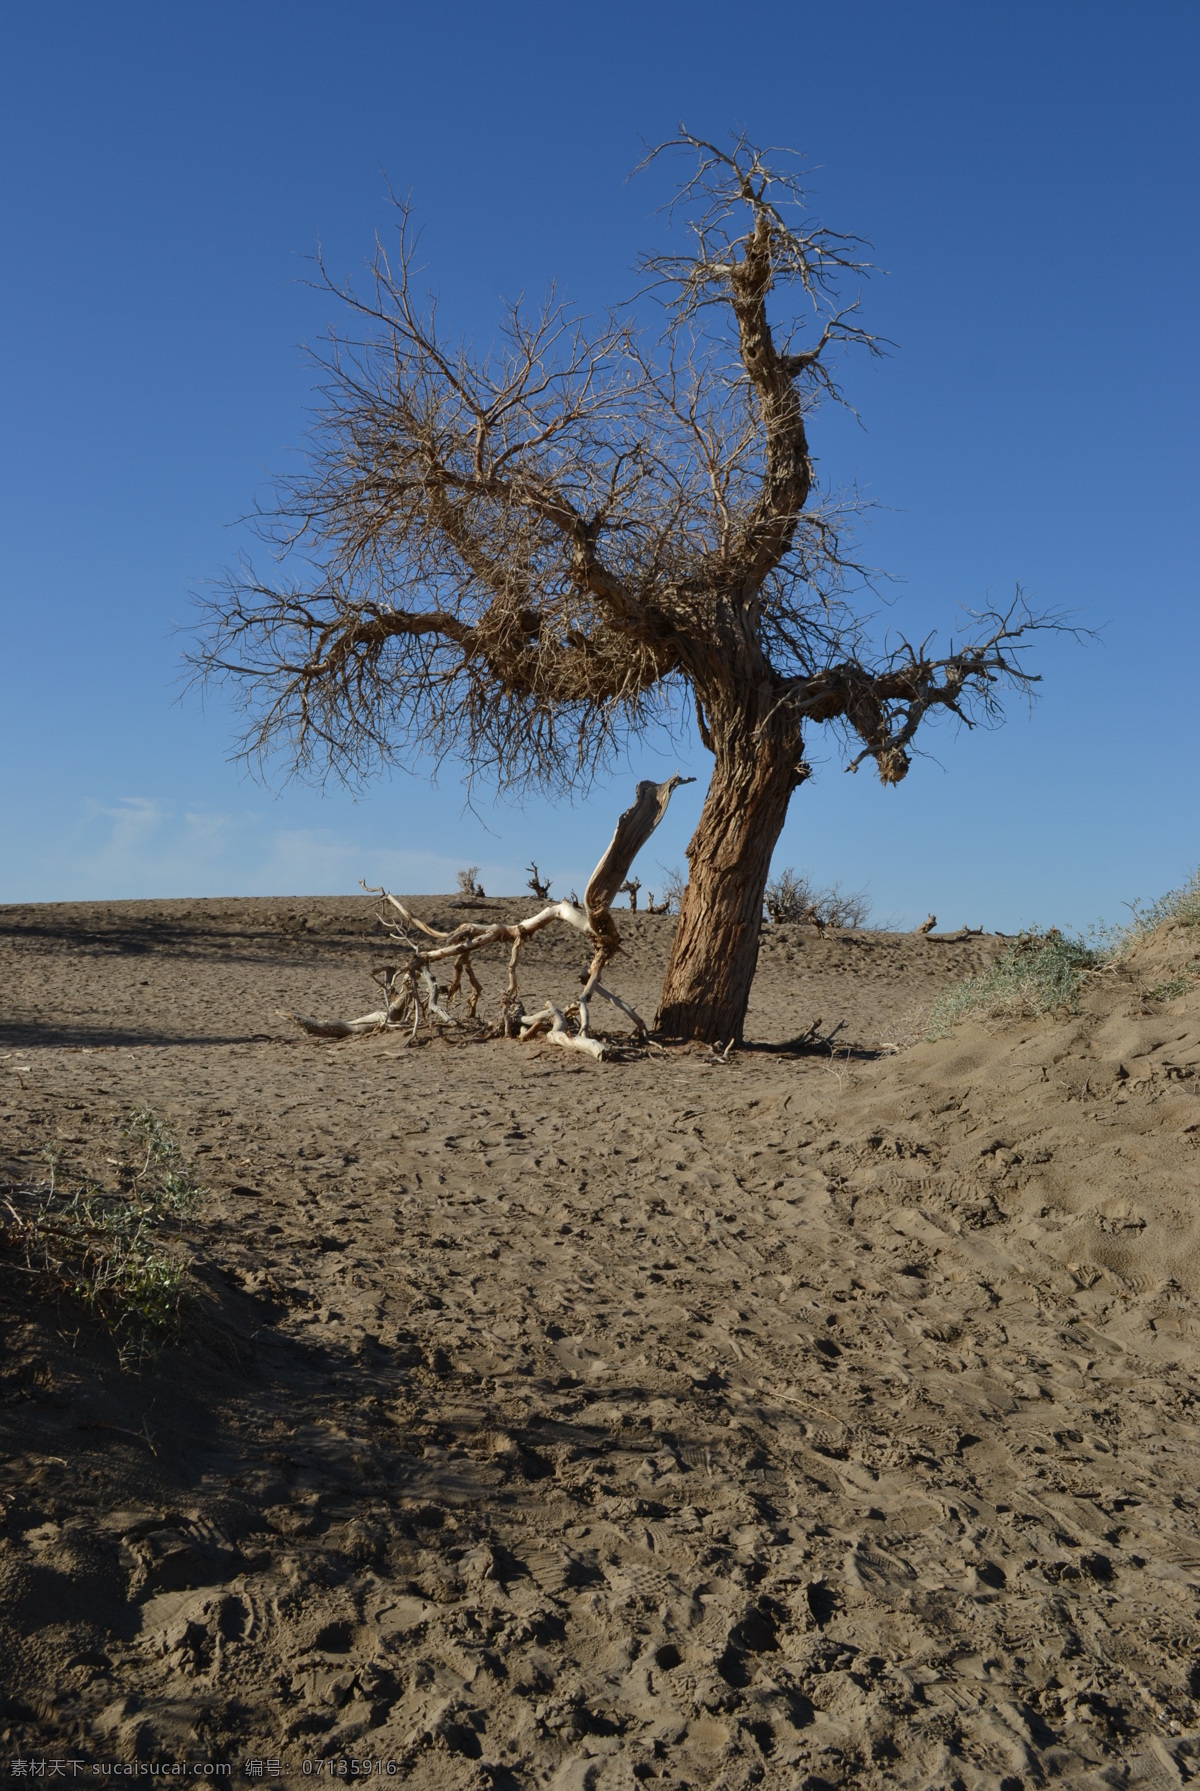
column 715, row 950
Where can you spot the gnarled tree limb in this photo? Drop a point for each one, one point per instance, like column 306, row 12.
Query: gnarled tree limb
column 414, row 995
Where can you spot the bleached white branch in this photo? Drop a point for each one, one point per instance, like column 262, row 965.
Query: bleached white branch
column 412, row 991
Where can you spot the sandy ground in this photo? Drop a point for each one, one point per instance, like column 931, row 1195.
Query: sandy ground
column 806, row 1420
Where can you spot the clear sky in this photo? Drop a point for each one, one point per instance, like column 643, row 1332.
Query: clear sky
column 1027, row 174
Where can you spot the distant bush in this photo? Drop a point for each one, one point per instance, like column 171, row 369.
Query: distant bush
column 469, row 884
column 1180, row 905
column 1041, row 972
column 1035, row 974
column 790, row 896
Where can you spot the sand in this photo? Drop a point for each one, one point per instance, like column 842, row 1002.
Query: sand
column 817, row 1418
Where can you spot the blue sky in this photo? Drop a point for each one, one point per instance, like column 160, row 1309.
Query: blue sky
column 1027, row 175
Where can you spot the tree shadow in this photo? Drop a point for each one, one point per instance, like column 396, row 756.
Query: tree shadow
column 79, row 1036
column 250, row 938
column 822, row 1049
column 252, row 1462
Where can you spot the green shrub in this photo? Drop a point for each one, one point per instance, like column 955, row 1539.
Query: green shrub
column 175, row 1189
column 1035, row 974
column 113, row 1250
column 109, row 1254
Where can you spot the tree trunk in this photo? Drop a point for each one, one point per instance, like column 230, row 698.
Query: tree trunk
column 715, row 953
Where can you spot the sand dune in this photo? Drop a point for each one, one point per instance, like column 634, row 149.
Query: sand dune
column 817, row 1418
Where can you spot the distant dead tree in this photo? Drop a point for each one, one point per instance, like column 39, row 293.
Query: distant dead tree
column 529, row 557
column 537, row 883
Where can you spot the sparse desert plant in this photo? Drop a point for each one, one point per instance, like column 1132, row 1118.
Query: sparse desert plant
column 111, row 1250
column 1173, row 988
column 469, row 884
column 1180, row 905
column 910, row 1028
column 1034, row 974
column 790, row 897
column 175, row 1189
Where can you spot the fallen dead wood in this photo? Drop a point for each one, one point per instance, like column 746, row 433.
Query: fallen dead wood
column 552, row 1021
column 926, row 930
column 413, row 995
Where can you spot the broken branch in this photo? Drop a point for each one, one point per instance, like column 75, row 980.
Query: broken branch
column 412, row 992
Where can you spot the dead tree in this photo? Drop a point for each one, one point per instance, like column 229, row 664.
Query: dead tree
column 413, row 994
column 537, row 883
column 530, row 557
column 630, row 888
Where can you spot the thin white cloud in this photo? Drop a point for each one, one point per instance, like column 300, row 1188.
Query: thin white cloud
column 146, row 846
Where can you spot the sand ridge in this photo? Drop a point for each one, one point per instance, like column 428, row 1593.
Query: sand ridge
column 809, row 1419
